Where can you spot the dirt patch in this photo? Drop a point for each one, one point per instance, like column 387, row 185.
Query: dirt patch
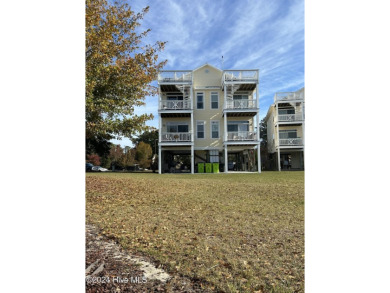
column 109, row 268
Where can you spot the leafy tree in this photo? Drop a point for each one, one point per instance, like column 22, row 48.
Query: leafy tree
column 93, row 159
column 150, row 137
column 263, row 143
column 143, row 154
column 98, row 145
column 116, row 153
column 128, row 158
column 119, row 69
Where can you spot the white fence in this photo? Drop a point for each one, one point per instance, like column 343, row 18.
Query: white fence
column 290, row 141
column 241, row 135
column 175, row 136
column 175, row 105
column 241, row 104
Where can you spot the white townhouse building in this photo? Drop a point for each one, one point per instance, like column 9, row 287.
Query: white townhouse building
column 208, row 118
column 286, row 130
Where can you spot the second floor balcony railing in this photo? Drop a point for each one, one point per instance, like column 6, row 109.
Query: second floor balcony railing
column 176, row 137
column 288, row 96
column 175, row 105
column 241, row 104
column 241, row 135
column 290, row 117
column 290, row 141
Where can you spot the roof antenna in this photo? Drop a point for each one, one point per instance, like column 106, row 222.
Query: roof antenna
column 222, row 63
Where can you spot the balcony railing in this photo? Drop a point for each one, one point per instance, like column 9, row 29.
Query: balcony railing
column 240, row 75
column 241, row 104
column 290, row 117
column 290, row 141
column 175, row 105
column 241, row 135
column 176, row 136
column 174, row 76
column 289, row 96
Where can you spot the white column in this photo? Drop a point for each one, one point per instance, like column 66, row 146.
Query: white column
column 192, row 160
column 226, row 159
column 159, row 160
column 192, row 127
column 277, row 134
column 258, row 159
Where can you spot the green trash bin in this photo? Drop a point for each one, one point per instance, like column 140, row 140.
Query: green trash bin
column 215, row 167
column 209, row 168
column 200, row 167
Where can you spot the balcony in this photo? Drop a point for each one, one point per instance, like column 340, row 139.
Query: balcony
column 176, row 137
column 241, row 104
column 290, row 142
column 289, row 96
column 241, row 136
column 175, row 105
column 175, row 77
column 240, row 76
column 297, row 117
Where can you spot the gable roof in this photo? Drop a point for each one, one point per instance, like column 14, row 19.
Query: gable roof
column 207, row 65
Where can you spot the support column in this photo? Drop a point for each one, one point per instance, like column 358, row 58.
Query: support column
column 258, row 159
column 226, row 159
column 192, row 160
column 159, row 160
column 278, row 159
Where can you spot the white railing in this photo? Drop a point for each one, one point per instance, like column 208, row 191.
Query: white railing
column 290, row 141
column 290, row 117
column 240, row 75
column 289, row 96
column 172, row 76
column 175, row 136
column 175, row 105
column 241, row 135
column 241, row 104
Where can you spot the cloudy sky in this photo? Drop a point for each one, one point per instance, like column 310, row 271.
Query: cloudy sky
column 249, row 34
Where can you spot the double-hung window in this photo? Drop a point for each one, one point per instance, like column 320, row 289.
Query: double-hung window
column 200, row 129
column 214, row 156
column 214, row 129
column 214, row 100
column 199, row 101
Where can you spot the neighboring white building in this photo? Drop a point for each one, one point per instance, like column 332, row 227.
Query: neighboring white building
column 286, row 130
column 208, row 115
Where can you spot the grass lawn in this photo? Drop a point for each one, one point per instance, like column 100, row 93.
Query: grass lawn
column 232, row 232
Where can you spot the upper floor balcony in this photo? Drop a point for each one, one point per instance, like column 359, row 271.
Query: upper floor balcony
column 240, row 76
column 291, row 141
column 175, row 137
column 175, row 77
column 172, row 105
column 294, row 117
column 241, row 104
column 241, row 136
column 289, row 96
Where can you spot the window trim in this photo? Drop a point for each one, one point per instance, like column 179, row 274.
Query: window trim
column 211, row 129
column 204, row 129
column 203, row 100
column 211, row 100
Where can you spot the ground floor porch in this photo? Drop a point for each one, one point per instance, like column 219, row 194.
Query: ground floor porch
column 286, row 160
column 189, row 159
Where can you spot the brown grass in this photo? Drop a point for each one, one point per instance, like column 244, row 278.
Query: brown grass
column 234, row 232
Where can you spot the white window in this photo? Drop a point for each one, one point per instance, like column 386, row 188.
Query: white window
column 284, row 134
column 214, row 129
column 200, row 129
column 214, row 100
column 199, row 101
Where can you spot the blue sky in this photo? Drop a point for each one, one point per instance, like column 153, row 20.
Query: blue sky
column 251, row 34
